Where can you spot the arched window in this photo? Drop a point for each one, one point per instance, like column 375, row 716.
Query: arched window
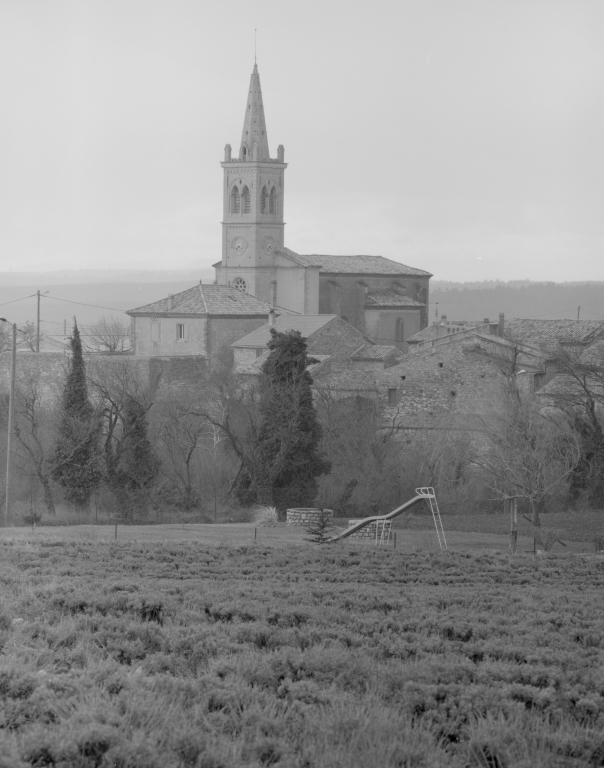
column 240, row 284
column 245, row 200
column 235, row 201
column 263, row 200
column 272, row 201
column 244, row 152
column 400, row 330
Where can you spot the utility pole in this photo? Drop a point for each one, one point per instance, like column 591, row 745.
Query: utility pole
column 11, row 410
column 38, row 325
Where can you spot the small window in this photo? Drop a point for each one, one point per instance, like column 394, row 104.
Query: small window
column 453, row 393
column 182, row 333
column 403, row 378
column 392, row 397
column 440, row 365
column 259, row 351
column 155, row 332
column 400, row 330
column 240, row 284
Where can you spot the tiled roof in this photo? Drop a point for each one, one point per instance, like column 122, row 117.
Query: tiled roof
column 565, row 385
column 429, row 331
column 306, row 324
column 354, row 265
column 253, row 367
column 347, row 380
column 376, row 352
column 206, row 300
column 594, row 354
column 390, row 298
column 562, row 331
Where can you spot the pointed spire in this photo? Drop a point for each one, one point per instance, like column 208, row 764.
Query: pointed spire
column 254, row 142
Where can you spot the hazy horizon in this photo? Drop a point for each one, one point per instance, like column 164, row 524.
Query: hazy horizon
column 460, row 137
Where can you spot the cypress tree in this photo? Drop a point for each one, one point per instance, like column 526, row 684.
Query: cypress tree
column 76, row 450
column 138, row 465
column 287, row 443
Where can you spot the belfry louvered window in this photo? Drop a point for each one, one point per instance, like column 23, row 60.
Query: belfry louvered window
column 235, row 201
column 245, row 198
column 263, row 200
column 272, row 201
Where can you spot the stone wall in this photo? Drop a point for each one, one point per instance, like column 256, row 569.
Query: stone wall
column 463, row 377
column 368, row 532
column 307, row 516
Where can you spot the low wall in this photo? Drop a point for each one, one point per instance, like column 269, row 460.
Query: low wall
column 307, row 516
column 368, row 532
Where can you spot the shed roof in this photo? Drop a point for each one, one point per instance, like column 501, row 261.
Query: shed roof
column 306, row 324
column 377, row 352
column 562, row 331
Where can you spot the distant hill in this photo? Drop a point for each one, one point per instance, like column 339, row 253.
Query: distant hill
column 517, row 298
column 94, row 276
column 89, row 294
column 87, row 301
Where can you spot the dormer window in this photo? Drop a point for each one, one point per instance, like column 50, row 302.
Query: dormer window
column 235, row 201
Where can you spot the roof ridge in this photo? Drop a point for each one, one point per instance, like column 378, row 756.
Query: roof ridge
column 203, row 298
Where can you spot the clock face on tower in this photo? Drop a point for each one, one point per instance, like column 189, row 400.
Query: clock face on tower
column 269, row 245
column 239, row 245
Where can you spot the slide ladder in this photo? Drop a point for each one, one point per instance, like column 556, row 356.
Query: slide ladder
column 430, row 496
column 382, row 534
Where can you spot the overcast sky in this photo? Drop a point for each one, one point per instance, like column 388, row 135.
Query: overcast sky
column 464, row 137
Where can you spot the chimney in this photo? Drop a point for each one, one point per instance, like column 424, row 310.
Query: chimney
column 170, row 302
column 271, row 317
column 501, row 324
column 274, row 293
column 443, row 319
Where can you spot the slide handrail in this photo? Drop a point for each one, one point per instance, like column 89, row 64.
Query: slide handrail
column 421, row 495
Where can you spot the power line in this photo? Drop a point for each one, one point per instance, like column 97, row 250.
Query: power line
column 83, row 304
column 14, row 300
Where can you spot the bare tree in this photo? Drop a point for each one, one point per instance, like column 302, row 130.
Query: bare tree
column 526, row 451
column 28, row 335
column 123, row 397
column 110, row 335
column 6, row 337
column 578, row 392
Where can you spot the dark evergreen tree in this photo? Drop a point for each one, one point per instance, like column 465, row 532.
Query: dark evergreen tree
column 138, row 464
column 287, row 456
column 76, row 450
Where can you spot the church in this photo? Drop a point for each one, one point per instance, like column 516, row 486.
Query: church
column 258, row 275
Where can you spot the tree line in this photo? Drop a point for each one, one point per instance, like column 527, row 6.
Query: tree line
column 102, row 438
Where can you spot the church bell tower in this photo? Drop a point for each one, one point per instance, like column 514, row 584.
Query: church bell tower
column 252, row 225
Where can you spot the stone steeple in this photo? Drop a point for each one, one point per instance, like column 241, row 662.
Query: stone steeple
column 254, row 141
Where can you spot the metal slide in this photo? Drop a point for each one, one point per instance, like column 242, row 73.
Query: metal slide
column 422, row 494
